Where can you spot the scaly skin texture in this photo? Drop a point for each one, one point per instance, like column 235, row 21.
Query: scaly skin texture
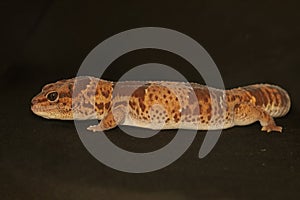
column 161, row 105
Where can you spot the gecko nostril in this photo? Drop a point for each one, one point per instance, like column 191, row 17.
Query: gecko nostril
column 33, row 101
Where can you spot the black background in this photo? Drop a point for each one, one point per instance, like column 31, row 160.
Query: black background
column 44, row 41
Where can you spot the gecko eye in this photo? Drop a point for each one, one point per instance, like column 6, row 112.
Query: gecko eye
column 52, row 96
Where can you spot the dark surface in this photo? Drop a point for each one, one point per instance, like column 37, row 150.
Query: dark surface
column 44, row 41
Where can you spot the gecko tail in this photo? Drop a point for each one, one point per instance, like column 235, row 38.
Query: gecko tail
column 273, row 99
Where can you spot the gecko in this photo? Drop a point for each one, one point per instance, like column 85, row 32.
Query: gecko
column 161, row 104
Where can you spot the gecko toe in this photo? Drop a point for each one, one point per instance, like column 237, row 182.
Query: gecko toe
column 94, row 128
column 270, row 128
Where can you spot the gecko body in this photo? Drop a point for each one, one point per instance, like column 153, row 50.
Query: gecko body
column 161, row 104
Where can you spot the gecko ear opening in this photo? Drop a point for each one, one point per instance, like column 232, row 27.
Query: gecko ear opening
column 52, row 96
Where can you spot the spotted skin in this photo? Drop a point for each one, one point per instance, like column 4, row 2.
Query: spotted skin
column 161, row 105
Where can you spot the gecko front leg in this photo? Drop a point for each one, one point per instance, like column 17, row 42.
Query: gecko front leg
column 246, row 113
column 114, row 117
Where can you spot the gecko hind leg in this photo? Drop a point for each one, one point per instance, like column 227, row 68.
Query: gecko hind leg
column 246, row 113
column 111, row 120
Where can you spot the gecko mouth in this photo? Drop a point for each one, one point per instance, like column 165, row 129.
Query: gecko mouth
column 50, row 112
column 40, row 111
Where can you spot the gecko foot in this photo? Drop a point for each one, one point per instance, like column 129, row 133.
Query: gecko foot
column 95, row 128
column 270, row 128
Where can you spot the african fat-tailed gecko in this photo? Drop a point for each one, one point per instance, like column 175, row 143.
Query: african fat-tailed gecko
column 161, row 105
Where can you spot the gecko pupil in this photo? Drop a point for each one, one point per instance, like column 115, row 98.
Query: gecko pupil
column 52, row 96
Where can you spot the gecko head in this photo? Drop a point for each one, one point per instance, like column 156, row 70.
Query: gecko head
column 54, row 101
